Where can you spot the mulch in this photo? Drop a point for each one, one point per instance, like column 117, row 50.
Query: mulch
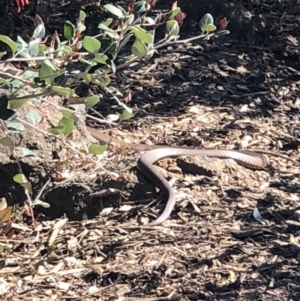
column 234, row 233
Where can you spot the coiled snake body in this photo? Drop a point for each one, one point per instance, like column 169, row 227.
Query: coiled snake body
column 145, row 164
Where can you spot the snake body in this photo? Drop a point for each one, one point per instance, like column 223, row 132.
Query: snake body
column 145, row 165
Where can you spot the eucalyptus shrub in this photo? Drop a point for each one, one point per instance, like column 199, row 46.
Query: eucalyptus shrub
column 62, row 66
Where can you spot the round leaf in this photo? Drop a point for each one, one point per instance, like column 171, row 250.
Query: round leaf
column 114, row 10
column 27, row 152
column 20, row 178
column 67, row 124
column 126, row 114
column 16, row 103
column 91, row 101
column 139, row 49
column 69, row 30
column 209, row 28
column 102, row 80
column 33, row 48
column 12, row 45
column 6, row 141
column 101, row 58
column 34, row 116
column 65, row 127
column 172, row 28
column 15, row 126
column 91, row 44
column 82, row 16
column 96, row 149
column 69, row 115
column 142, row 34
column 39, row 32
column 139, row 7
column 172, row 14
column 206, row 19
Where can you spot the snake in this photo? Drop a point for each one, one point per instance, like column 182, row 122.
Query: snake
column 145, row 164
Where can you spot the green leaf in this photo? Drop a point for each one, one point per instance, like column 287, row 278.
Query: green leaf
column 96, row 149
column 6, row 141
column 69, row 115
column 69, row 30
column 24, row 53
column 33, row 48
column 126, row 114
column 221, row 33
column 21, row 42
column 91, row 44
column 42, row 48
column 27, row 152
column 114, row 10
column 62, row 90
column 65, row 127
column 4, row 82
column 209, row 28
column 35, row 117
column 130, row 19
column 30, row 74
column 16, row 83
column 102, row 79
column 39, row 32
column 142, row 35
column 11, row 44
column 100, row 58
column 86, row 76
column 20, row 178
column 110, row 32
column 172, row 27
column 206, row 19
column 91, row 101
column 82, row 16
column 139, row 7
column 107, row 22
column 16, row 103
column 15, row 126
column 67, row 124
column 172, row 14
column 139, row 49
column 58, row 130
column 48, row 71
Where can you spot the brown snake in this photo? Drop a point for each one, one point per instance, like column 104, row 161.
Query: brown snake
column 145, row 165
